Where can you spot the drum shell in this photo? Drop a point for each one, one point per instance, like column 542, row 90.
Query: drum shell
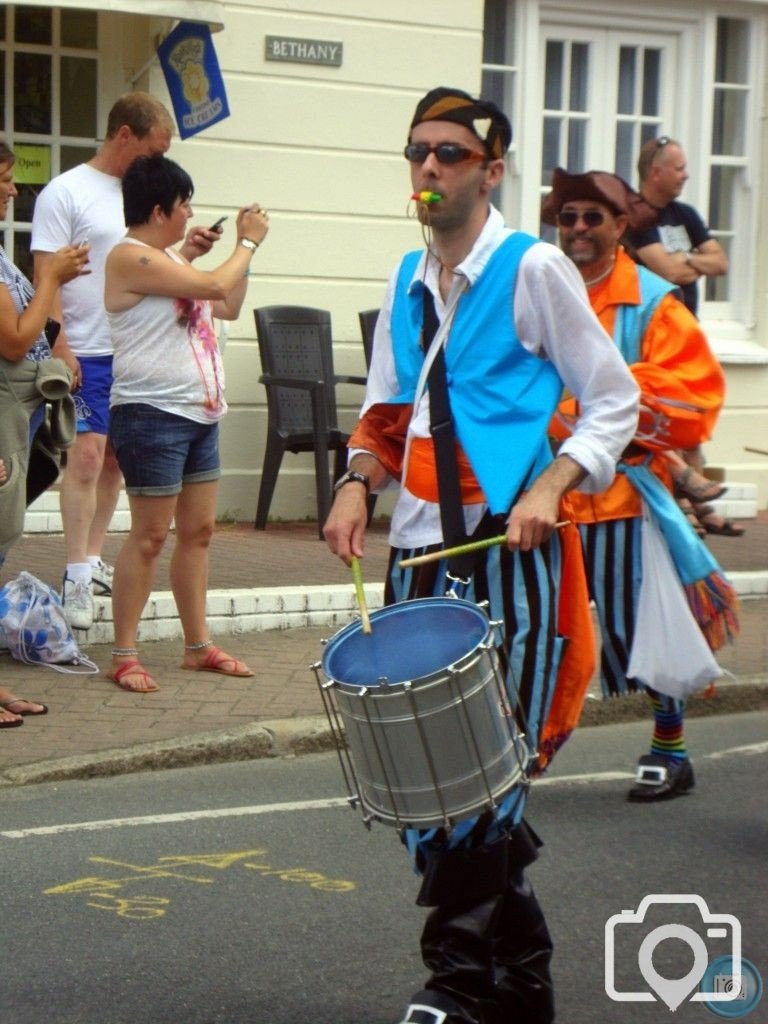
column 438, row 748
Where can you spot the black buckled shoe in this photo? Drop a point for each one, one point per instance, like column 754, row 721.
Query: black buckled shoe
column 661, row 779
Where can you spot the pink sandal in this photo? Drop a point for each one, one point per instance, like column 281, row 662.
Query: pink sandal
column 133, row 668
column 216, row 659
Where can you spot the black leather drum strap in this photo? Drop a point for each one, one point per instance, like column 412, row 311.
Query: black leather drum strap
column 443, row 436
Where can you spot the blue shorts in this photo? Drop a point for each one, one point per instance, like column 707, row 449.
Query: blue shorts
column 159, row 452
column 92, row 397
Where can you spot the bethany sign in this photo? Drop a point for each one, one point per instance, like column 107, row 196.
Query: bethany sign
column 303, row 51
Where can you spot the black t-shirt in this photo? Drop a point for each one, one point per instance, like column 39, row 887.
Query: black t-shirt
column 679, row 229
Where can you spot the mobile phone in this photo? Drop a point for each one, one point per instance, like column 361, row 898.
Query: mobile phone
column 217, row 225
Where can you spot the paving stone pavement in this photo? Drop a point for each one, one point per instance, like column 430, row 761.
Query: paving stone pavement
column 95, row 728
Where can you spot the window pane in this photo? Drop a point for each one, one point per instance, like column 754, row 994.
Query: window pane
column 649, row 131
column 623, row 157
column 2, row 28
column 729, row 122
column 32, row 93
column 498, row 20
column 579, row 75
column 33, row 25
column 493, row 88
column 718, row 289
column 732, row 59
column 24, row 203
column 21, row 254
column 78, row 78
column 577, row 146
column 626, row 100
column 2, row 79
column 79, row 28
column 553, row 83
column 722, row 198
column 651, row 82
column 71, row 156
column 550, row 156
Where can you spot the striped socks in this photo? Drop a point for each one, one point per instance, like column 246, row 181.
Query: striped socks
column 668, row 740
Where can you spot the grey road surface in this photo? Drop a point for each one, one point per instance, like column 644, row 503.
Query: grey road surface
column 249, row 894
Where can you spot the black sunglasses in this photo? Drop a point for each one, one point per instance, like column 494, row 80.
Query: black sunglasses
column 662, row 141
column 446, row 153
column 592, row 218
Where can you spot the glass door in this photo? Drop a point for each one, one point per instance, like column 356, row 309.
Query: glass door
column 604, row 94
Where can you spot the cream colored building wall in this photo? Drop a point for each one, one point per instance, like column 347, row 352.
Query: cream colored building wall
column 321, row 148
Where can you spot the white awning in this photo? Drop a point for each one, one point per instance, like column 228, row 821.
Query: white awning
column 209, row 11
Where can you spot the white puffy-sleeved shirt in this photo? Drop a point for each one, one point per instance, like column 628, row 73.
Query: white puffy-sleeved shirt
column 554, row 321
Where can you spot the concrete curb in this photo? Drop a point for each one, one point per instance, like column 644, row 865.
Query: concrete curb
column 291, row 737
column 280, row 738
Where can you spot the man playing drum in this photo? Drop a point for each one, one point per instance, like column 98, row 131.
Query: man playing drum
column 511, row 326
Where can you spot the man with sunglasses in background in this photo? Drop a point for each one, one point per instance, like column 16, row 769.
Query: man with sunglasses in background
column 679, row 247
column 682, row 390
column 477, row 336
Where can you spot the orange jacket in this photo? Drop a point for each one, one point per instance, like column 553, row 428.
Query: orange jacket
column 677, row 363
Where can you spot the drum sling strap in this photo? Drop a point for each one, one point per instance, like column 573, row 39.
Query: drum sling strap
column 444, row 440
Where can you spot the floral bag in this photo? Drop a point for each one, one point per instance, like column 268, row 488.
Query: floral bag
column 35, row 630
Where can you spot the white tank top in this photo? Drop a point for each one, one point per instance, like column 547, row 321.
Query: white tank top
column 167, row 356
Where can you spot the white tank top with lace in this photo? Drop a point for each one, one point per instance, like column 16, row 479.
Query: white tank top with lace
column 167, row 356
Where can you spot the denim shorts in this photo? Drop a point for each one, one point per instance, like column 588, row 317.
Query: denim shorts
column 158, row 451
column 92, row 397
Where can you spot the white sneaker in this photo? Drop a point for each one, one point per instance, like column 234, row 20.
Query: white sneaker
column 77, row 599
column 101, row 576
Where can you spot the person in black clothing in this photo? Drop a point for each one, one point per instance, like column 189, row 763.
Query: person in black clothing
column 679, row 246
column 680, row 249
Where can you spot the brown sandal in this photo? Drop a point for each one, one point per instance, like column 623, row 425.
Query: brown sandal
column 709, row 491
column 7, row 704
column 690, row 514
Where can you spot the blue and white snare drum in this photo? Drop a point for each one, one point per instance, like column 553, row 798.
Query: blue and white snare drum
column 429, row 737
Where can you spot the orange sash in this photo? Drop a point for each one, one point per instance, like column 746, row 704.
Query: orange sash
column 574, row 621
column 421, row 478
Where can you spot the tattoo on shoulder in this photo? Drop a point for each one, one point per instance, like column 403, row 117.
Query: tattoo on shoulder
column 145, row 260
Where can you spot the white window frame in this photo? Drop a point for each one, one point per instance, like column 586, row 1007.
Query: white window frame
column 690, row 120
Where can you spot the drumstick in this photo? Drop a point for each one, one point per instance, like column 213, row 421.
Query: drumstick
column 462, row 549
column 757, row 451
column 357, row 576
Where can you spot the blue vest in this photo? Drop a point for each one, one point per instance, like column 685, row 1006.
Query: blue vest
column 632, row 321
column 502, row 397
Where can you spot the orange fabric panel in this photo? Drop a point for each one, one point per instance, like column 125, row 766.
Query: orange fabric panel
column 421, row 478
column 574, row 621
column 381, row 430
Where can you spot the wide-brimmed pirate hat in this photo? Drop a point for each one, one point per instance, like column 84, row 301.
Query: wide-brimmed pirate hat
column 602, row 187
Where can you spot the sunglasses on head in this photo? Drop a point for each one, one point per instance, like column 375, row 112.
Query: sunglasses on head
column 592, row 218
column 662, row 141
column 446, row 153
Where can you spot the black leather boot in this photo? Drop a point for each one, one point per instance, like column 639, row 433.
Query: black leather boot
column 457, row 947
column 485, row 942
column 521, row 955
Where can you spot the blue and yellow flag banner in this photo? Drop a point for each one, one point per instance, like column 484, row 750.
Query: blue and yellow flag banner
column 191, row 69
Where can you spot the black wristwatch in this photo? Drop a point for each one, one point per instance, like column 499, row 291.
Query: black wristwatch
column 352, row 477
